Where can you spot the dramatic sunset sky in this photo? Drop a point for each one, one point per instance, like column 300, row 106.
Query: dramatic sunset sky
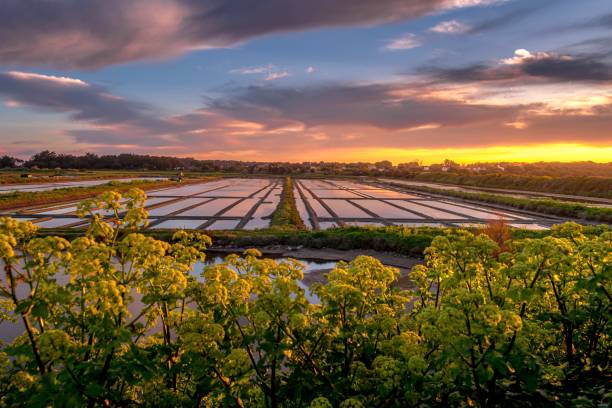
column 306, row 80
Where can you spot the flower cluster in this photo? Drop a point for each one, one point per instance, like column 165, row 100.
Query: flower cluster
column 117, row 317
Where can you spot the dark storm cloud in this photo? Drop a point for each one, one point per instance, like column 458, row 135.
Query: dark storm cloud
column 542, row 66
column 95, row 33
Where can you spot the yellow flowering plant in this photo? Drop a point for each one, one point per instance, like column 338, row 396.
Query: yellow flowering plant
column 118, row 318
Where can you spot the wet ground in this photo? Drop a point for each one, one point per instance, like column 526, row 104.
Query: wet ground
column 331, row 203
column 588, row 201
column 221, row 204
column 237, row 203
column 317, row 263
column 32, row 187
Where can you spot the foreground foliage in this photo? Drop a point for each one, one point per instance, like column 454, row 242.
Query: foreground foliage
column 117, row 318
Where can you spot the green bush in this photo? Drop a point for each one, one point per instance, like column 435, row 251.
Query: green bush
column 527, row 326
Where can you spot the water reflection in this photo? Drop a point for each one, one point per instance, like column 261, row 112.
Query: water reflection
column 313, row 272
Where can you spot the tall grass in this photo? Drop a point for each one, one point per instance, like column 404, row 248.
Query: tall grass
column 286, row 215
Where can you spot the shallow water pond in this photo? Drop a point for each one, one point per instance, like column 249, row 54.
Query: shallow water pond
column 9, row 330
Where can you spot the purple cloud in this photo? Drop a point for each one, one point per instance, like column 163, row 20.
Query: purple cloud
column 89, row 34
column 525, row 66
column 268, row 119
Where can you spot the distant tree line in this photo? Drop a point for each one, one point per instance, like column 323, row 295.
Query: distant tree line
column 448, row 170
column 8, row 162
column 90, row 161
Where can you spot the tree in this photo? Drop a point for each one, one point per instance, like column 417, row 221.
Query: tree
column 384, row 165
column 8, row 162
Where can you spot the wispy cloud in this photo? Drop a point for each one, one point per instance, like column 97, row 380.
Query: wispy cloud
column 508, row 18
column 271, row 72
column 50, row 79
column 252, row 70
column 405, row 42
column 450, row 27
column 310, row 70
column 472, row 3
column 273, row 76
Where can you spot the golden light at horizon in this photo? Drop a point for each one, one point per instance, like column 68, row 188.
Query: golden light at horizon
column 561, row 152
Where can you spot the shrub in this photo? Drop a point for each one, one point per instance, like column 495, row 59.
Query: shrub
column 529, row 327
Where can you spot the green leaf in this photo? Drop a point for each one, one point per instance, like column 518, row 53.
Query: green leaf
column 40, row 309
column 498, row 362
column 94, row 390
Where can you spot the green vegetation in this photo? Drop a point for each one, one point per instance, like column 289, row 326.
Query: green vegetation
column 286, row 215
column 544, row 206
column 399, row 239
column 404, row 240
column 591, row 186
column 523, row 325
column 20, row 199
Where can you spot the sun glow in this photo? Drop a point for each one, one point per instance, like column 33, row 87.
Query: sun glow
column 532, row 153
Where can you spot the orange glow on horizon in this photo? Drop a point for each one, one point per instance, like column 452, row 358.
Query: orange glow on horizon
column 533, row 153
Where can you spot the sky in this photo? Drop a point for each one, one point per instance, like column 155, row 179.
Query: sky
column 309, row 80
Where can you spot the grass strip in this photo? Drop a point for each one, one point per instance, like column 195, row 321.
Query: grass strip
column 286, row 216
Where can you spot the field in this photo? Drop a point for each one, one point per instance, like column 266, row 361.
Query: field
column 587, row 200
column 241, row 203
column 582, row 211
column 221, row 204
column 560, row 180
column 332, row 203
column 37, row 186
